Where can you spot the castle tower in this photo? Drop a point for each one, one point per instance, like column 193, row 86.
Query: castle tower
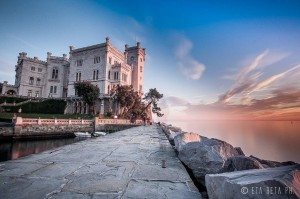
column 136, row 59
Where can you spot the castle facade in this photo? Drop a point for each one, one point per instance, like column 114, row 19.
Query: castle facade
column 103, row 65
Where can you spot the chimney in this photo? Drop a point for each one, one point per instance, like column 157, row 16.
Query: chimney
column 107, row 40
column 72, row 48
column 49, row 55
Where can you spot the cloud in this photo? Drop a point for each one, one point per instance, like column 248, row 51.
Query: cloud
column 247, row 81
column 188, row 65
column 270, row 80
column 23, row 41
column 253, row 96
column 252, row 66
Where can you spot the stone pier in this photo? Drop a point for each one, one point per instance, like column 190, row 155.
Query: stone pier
column 125, row 164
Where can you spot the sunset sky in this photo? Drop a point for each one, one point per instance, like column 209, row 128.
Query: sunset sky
column 210, row 59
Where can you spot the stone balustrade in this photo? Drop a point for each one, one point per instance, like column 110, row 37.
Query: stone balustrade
column 26, row 121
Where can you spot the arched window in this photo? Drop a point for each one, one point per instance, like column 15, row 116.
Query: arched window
column 109, row 74
column 108, row 89
column 55, row 73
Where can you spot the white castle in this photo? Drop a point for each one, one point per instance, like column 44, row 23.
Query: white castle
column 102, row 64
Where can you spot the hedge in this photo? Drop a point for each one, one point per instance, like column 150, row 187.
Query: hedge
column 51, row 106
column 11, row 99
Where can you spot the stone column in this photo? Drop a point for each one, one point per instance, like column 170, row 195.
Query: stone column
column 101, row 113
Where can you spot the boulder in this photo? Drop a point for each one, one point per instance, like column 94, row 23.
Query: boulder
column 269, row 163
column 203, row 155
column 240, row 151
column 240, row 163
column 172, row 135
column 278, row 182
column 182, row 139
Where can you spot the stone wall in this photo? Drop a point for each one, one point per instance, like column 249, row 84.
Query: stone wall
column 33, row 130
column 110, row 128
column 6, row 132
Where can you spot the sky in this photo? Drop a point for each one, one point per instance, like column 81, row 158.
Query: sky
column 212, row 60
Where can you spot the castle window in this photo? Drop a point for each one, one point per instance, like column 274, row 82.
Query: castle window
column 37, row 93
column 32, row 68
column 124, row 77
column 55, row 73
column 78, row 76
column 79, row 62
column 96, row 60
column 108, row 89
column 29, row 93
column 55, row 89
column 141, row 68
column 109, row 60
column 97, row 75
column 94, row 75
column 40, row 70
column 132, row 58
column 116, row 75
column 141, row 60
column 38, row 81
column 31, row 79
column 109, row 74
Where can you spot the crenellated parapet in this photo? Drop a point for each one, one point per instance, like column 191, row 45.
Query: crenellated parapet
column 23, row 56
column 57, row 58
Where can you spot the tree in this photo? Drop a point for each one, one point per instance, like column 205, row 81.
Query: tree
column 88, row 92
column 128, row 99
column 131, row 103
column 152, row 97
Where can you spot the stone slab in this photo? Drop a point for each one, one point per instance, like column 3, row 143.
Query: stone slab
column 124, row 164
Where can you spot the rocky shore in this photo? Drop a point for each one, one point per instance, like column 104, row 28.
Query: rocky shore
column 223, row 171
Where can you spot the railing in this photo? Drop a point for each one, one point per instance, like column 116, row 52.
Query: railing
column 117, row 121
column 25, row 121
column 20, row 121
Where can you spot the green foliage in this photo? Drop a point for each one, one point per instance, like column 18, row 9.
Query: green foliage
column 46, row 116
column 11, row 99
column 51, row 106
column 87, row 91
column 153, row 96
column 128, row 99
column 132, row 104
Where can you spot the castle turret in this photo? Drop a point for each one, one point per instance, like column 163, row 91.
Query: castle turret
column 136, row 58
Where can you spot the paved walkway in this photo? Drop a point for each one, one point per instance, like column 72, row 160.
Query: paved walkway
column 125, row 164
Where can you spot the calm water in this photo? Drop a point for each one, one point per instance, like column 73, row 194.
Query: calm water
column 17, row 149
column 273, row 140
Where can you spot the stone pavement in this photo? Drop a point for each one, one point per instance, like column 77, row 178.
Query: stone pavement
column 125, row 164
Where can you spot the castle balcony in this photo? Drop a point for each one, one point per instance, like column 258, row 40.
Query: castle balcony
column 54, row 80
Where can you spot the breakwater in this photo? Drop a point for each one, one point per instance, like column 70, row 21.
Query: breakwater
column 223, row 171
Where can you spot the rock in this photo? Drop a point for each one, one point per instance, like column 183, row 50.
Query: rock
column 269, row 163
column 240, row 151
column 171, row 132
column 172, row 135
column 182, row 139
column 240, row 163
column 203, row 155
column 279, row 182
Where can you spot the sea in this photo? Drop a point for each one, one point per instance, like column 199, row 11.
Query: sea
column 270, row 140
